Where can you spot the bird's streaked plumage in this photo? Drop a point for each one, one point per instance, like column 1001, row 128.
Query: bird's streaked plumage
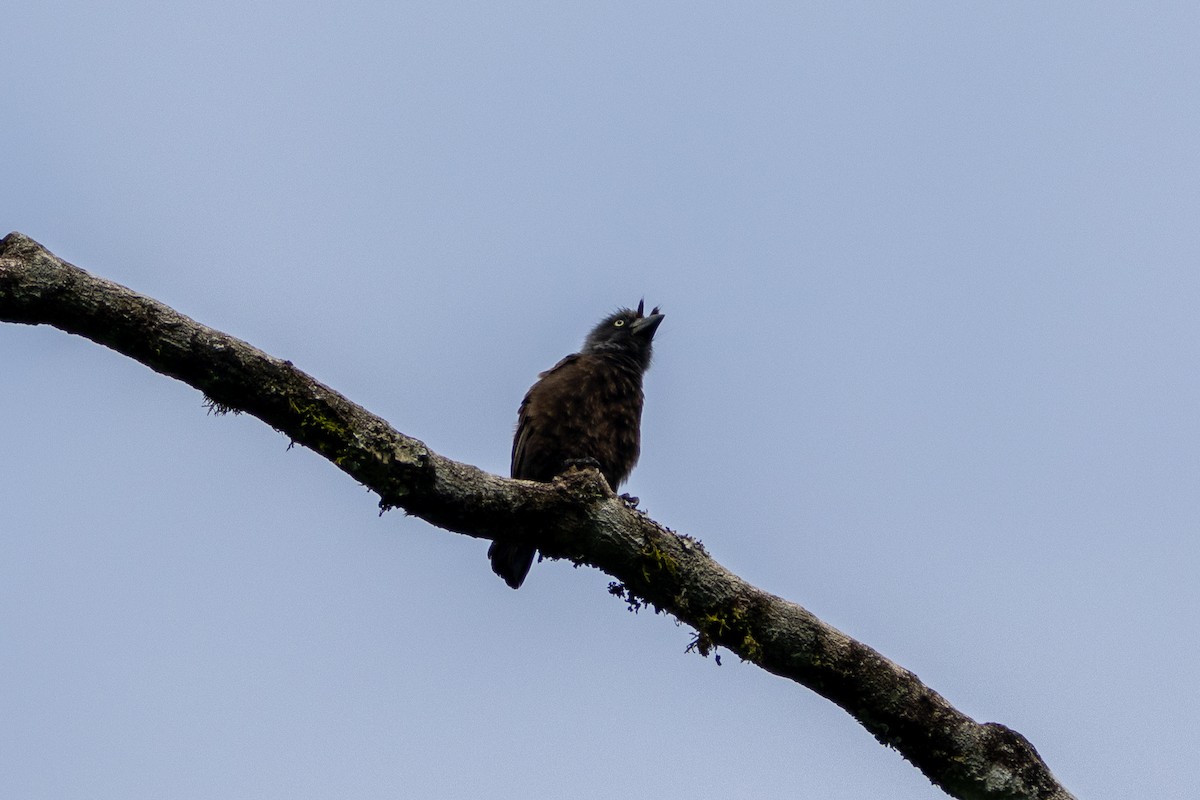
column 586, row 407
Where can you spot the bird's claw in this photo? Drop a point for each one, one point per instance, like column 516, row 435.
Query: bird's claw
column 630, row 500
column 581, row 463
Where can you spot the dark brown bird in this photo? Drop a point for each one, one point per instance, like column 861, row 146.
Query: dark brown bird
column 586, row 409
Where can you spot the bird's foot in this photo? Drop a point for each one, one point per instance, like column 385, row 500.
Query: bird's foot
column 581, row 463
column 630, row 500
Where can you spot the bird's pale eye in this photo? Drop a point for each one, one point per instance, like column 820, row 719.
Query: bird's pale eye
column 619, row 323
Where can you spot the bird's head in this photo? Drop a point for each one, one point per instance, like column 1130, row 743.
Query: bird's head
column 626, row 332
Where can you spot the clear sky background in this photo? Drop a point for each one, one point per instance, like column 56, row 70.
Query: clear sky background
column 929, row 368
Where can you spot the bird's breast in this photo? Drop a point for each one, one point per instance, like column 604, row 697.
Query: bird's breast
column 583, row 408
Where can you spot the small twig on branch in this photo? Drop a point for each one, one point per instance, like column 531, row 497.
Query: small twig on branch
column 576, row 517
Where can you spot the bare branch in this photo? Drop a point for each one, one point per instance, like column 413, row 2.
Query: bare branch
column 576, row 517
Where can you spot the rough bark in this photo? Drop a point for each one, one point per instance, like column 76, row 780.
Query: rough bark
column 576, row 517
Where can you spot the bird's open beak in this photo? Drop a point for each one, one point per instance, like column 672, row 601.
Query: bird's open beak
column 646, row 326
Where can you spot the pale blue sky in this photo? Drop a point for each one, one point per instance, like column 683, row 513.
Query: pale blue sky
column 931, row 275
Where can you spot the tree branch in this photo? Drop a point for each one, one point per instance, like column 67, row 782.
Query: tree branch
column 576, row 517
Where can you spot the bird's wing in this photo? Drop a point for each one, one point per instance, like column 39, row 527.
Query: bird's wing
column 527, row 419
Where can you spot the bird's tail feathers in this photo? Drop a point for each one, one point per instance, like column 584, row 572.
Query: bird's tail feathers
column 511, row 561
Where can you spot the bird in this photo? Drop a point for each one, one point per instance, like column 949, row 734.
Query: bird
column 586, row 410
